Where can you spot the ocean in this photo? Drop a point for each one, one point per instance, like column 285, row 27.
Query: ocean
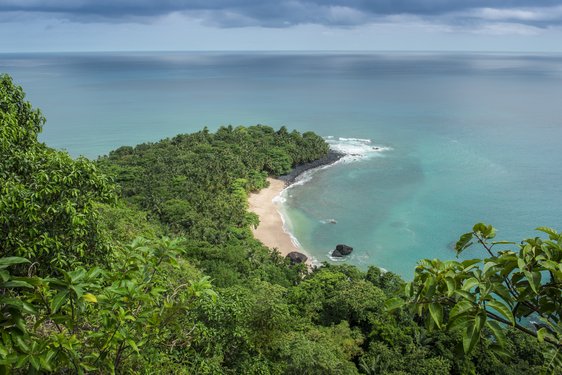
column 437, row 141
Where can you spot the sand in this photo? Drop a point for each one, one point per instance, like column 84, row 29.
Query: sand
column 270, row 230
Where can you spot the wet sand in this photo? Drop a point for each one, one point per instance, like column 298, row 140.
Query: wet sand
column 270, row 230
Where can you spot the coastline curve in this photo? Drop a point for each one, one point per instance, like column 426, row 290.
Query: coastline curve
column 274, row 230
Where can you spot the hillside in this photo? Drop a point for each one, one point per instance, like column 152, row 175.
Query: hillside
column 143, row 262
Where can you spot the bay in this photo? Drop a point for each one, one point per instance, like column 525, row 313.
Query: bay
column 466, row 137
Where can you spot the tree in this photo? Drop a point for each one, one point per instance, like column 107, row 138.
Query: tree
column 95, row 320
column 48, row 200
column 521, row 289
column 194, row 183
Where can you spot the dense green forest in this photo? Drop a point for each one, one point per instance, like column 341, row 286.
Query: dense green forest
column 143, row 262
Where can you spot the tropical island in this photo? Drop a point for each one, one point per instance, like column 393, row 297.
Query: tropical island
column 144, row 261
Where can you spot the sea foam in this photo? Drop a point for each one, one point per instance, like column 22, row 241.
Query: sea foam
column 355, row 148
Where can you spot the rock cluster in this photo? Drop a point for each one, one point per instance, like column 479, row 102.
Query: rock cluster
column 297, row 257
column 342, row 250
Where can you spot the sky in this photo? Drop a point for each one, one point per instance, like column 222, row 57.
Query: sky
column 250, row 25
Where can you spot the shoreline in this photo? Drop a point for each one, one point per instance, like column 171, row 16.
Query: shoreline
column 271, row 229
column 332, row 157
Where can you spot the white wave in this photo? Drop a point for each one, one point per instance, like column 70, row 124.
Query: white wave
column 336, row 259
column 315, row 262
column 280, row 200
column 306, row 176
column 355, row 139
column 355, row 148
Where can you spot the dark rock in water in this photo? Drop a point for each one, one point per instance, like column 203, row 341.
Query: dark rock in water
column 332, row 221
column 297, row 257
column 342, row 250
column 336, row 254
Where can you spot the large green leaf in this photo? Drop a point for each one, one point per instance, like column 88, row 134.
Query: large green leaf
column 497, row 331
column 436, row 312
column 59, row 300
column 451, row 286
column 503, row 310
column 460, row 308
column 16, row 284
column 541, row 334
column 470, row 283
column 489, row 266
column 486, row 231
column 502, row 291
column 90, row 297
column 8, row 261
column 534, row 280
column 466, row 295
column 394, row 303
column 470, row 264
column 463, row 242
column 472, row 333
column 551, row 232
column 460, row 321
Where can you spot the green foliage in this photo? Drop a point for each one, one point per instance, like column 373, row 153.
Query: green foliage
column 324, row 350
column 90, row 286
column 123, row 222
column 20, row 122
column 197, row 184
column 330, row 296
column 480, row 297
column 380, row 359
column 95, row 320
column 47, row 200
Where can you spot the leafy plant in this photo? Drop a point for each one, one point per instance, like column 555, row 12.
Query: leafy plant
column 94, row 320
column 519, row 288
column 48, row 200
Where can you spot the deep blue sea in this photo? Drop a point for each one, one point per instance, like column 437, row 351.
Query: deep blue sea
column 463, row 137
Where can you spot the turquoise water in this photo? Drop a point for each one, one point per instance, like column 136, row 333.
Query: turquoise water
column 467, row 137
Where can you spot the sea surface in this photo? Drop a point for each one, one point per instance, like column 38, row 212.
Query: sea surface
column 437, row 141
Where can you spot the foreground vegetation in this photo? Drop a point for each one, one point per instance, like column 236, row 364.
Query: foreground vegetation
column 143, row 262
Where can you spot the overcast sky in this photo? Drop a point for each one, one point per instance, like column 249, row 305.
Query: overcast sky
column 140, row 25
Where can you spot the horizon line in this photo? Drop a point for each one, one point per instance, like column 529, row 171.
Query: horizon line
column 283, row 51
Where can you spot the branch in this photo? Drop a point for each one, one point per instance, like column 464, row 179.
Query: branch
column 49, row 312
column 508, row 283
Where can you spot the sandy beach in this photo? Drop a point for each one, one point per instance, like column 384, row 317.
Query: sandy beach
column 270, row 230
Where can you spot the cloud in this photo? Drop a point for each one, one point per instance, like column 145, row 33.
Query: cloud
column 502, row 28
column 527, row 15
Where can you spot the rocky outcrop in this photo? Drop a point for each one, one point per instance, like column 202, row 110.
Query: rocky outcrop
column 297, row 257
column 342, row 250
column 330, row 158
